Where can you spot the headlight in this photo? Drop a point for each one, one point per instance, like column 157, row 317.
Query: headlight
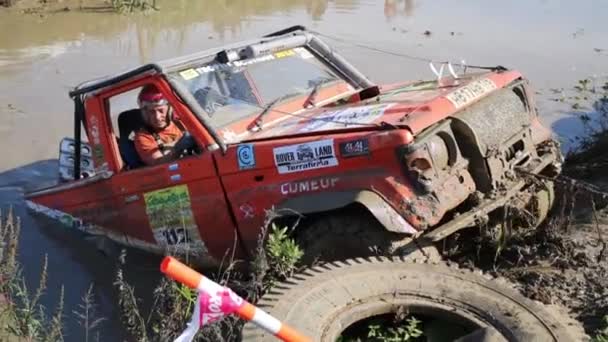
column 429, row 160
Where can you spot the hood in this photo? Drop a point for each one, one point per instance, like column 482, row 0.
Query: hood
column 415, row 106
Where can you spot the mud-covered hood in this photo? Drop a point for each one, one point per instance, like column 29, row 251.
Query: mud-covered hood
column 416, row 106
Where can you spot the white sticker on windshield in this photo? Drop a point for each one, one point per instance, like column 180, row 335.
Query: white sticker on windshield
column 305, row 54
column 353, row 116
column 470, row 92
column 188, row 74
column 307, row 156
column 218, row 66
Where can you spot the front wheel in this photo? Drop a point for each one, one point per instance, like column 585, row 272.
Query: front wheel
column 345, row 300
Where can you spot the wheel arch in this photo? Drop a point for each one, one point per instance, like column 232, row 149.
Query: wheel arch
column 377, row 206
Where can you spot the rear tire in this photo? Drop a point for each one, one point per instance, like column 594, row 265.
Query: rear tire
column 323, row 301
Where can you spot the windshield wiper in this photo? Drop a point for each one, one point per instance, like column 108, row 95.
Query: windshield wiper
column 269, row 106
column 310, row 100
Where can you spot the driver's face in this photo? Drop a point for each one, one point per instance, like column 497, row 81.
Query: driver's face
column 156, row 116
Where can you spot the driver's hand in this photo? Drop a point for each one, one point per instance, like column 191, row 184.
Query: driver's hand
column 186, row 142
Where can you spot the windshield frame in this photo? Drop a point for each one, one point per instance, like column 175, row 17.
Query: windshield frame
column 240, row 92
column 299, row 37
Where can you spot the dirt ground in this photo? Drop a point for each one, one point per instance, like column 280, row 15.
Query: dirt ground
column 565, row 261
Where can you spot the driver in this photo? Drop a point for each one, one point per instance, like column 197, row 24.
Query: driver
column 159, row 140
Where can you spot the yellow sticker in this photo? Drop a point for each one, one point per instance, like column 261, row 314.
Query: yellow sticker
column 189, row 74
column 284, row 53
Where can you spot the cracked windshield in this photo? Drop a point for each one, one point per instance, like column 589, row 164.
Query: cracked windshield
column 180, row 170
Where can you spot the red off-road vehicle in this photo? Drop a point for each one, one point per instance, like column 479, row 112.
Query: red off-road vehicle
column 284, row 122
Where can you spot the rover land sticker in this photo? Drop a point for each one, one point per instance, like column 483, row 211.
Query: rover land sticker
column 188, row 74
column 245, row 156
column 170, row 215
column 308, row 185
column 354, row 148
column 306, row 156
column 353, row 116
column 470, row 92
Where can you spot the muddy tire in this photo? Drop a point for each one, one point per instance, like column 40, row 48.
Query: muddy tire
column 351, row 234
column 323, row 301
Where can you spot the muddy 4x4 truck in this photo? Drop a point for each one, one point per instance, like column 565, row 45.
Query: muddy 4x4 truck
column 284, row 123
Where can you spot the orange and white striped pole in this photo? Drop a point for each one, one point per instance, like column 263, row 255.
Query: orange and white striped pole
column 194, row 280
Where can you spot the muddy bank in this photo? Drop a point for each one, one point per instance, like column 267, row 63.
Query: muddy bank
column 51, row 6
column 563, row 262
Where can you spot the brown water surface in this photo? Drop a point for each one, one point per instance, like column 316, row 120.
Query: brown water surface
column 554, row 43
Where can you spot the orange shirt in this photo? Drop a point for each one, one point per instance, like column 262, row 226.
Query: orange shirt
column 146, row 144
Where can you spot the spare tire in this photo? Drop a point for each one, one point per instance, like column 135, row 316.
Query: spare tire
column 324, row 301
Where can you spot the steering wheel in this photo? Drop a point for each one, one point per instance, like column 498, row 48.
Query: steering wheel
column 187, row 145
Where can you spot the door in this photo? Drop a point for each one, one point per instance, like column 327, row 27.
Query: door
column 179, row 205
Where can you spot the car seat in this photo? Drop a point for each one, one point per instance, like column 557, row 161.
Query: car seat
column 128, row 122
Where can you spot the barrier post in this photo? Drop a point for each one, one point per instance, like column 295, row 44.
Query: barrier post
column 247, row 311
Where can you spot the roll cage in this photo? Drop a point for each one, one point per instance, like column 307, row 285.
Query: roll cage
column 291, row 37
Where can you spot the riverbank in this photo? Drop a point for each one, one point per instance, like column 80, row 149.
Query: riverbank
column 44, row 7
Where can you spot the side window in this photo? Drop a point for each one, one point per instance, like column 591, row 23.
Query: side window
column 126, row 104
column 127, row 119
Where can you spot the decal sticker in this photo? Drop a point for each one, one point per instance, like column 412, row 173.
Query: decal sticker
column 170, row 215
column 95, row 130
column 304, row 54
column 359, row 147
column 188, row 74
column 470, row 92
column 175, row 178
column 97, row 152
column 306, row 156
column 308, row 185
column 64, row 218
column 245, row 156
column 284, row 53
column 346, row 117
column 219, row 66
column 251, row 61
column 131, row 198
column 214, row 307
column 247, row 210
column 89, row 228
column 173, row 167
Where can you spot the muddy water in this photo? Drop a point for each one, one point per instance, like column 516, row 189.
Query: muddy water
column 555, row 43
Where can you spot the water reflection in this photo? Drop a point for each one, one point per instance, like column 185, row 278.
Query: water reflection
column 176, row 22
column 394, row 8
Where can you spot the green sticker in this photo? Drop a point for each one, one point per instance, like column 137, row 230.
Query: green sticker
column 170, row 215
